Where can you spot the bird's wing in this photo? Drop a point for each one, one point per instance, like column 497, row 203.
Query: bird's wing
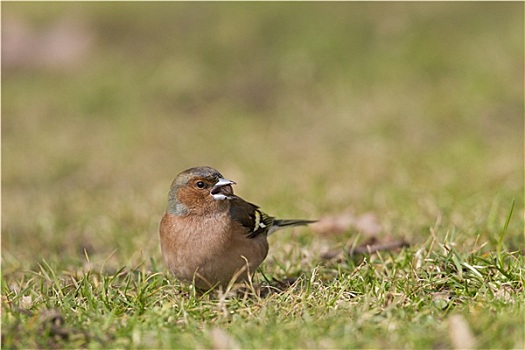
column 249, row 216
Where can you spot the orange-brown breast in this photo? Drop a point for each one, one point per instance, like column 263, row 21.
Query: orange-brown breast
column 210, row 246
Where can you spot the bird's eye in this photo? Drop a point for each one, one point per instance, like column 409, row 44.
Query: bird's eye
column 200, row 184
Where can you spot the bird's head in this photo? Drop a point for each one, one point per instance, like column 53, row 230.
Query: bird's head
column 199, row 190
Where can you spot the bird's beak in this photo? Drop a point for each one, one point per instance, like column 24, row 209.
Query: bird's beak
column 222, row 189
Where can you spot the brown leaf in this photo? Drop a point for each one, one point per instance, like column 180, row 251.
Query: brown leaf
column 373, row 245
column 366, row 223
column 222, row 340
column 460, row 334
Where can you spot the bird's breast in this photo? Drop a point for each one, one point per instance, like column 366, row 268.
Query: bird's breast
column 212, row 246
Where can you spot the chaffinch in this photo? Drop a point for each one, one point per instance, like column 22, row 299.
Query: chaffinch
column 211, row 236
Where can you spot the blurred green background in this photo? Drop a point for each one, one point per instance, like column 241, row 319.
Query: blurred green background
column 411, row 111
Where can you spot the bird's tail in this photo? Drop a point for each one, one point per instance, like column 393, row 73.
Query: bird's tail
column 278, row 224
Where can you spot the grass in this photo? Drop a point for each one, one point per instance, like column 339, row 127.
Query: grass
column 409, row 296
column 412, row 113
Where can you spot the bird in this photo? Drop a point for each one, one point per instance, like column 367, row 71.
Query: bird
column 211, row 237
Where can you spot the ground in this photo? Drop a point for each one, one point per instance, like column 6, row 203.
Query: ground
column 403, row 121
